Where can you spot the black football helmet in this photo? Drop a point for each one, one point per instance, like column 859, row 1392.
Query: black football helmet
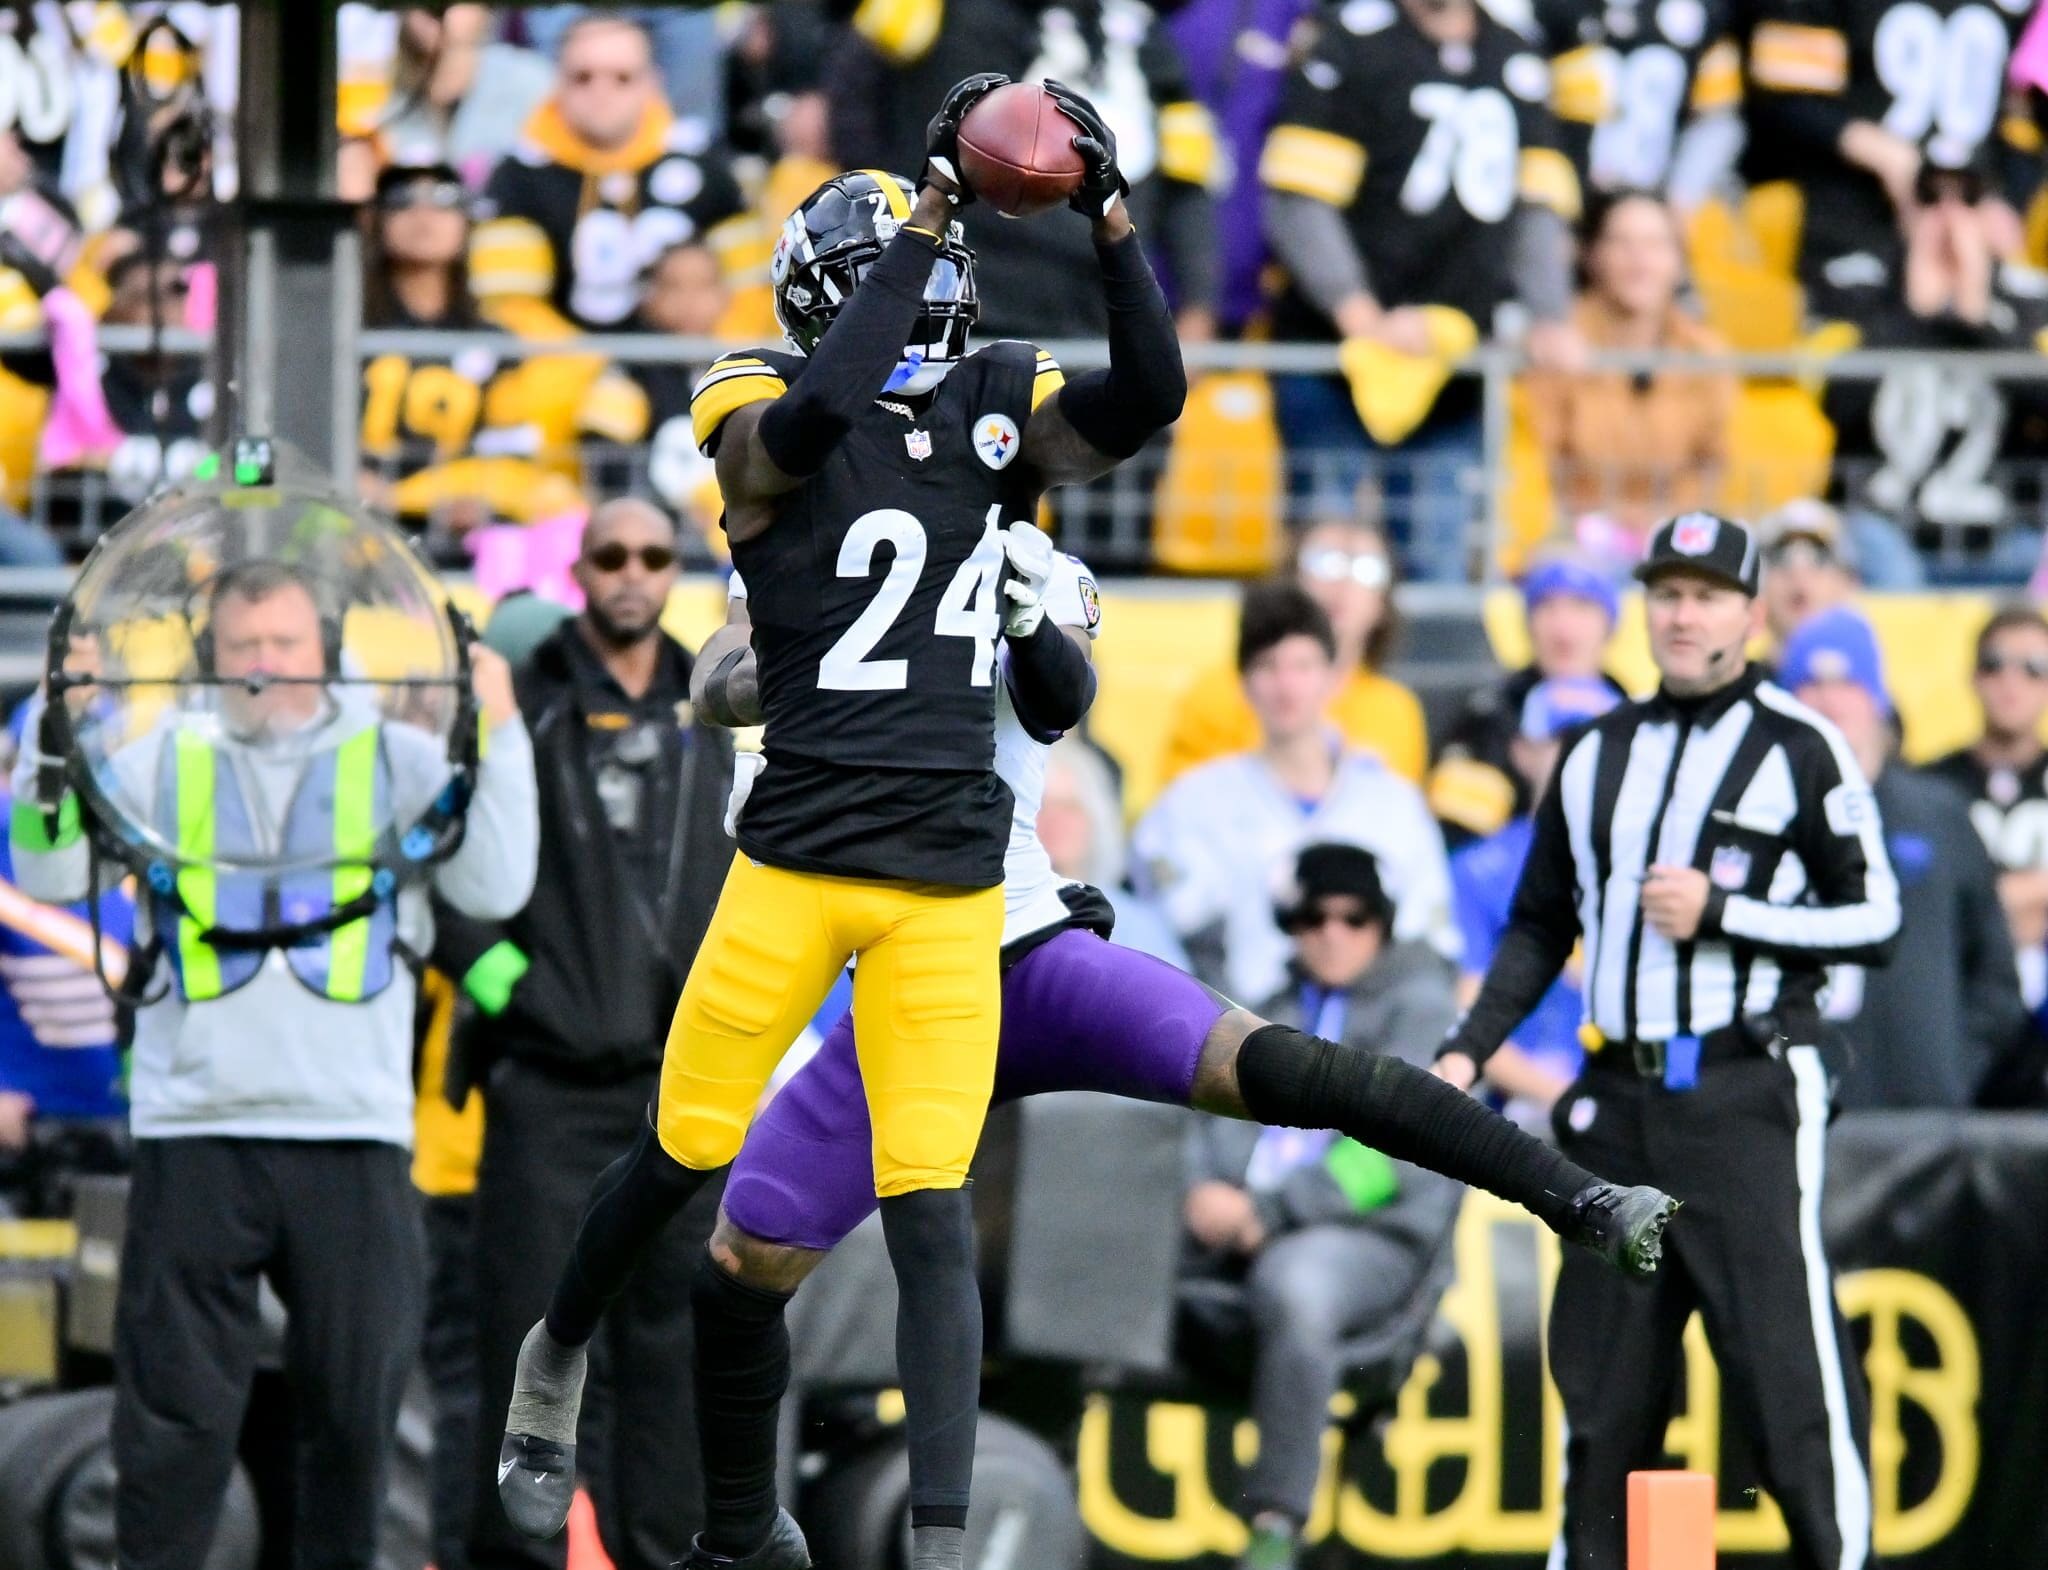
column 829, row 243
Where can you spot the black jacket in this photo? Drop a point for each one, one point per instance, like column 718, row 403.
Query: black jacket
column 605, row 965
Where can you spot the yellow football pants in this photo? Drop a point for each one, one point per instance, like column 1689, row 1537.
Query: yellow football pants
column 927, row 1009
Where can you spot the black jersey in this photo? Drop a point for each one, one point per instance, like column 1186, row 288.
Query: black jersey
column 2008, row 806
column 1929, row 71
column 1661, row 63
column 604, row 216
column 1425, row 147
column 874, row 600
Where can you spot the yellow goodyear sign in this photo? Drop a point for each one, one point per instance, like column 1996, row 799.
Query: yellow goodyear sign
column 1468, row 1462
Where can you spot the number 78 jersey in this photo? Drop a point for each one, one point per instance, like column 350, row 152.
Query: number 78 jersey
column 876, row 612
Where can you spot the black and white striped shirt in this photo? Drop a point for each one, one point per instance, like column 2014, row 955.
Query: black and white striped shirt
column 1750, row 787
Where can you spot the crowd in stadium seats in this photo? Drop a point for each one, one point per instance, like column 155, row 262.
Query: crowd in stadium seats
column 1401, row 180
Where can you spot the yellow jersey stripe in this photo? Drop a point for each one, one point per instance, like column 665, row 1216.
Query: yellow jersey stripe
column 1049, row 380
column 715, row 402
column 902, row 30
column 898, row 207
column 1308, row 162
column 1717, row 81
column 1548, row 179
column 510, row 256
column 1187, row 144
column 1581, row 85
column 1791, row 58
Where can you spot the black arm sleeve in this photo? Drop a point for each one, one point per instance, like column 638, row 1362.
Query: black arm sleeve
column 1116, row 411
column 1542, row 927
column 1052, row 682
column 855, row 357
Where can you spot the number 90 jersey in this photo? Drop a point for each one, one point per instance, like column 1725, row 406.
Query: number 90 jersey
column 875, row 603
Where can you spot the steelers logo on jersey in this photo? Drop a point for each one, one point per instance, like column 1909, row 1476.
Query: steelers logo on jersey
column 996, row 440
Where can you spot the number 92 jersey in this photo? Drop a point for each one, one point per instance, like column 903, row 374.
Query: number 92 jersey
column 874, row 597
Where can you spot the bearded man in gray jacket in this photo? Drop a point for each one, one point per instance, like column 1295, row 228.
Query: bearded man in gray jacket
column 272, row 1087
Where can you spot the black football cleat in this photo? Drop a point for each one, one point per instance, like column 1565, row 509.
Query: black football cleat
column 785, row 1549
column 1624, row 1226
column 537, row 1461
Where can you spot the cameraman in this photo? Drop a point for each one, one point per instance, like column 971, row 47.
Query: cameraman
column 272, row 1088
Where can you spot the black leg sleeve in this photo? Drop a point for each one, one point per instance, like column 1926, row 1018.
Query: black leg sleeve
column 938, row 1346
column 1301, row 1081
column 630, row 1203
column 742, row 1370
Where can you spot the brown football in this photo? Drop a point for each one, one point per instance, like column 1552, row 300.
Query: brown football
column 1017, row 151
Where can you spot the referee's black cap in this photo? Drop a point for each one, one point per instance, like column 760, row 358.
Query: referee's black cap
column 1707, row 544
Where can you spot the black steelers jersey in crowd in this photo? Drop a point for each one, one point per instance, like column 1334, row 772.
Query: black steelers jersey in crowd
column 1931, row 72
column 1628, row 76
column 2008, row 806
column 1425, row 147
column 876, row 616
column 603, row 215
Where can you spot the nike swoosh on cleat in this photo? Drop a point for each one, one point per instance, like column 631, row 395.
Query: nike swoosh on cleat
column 504, row 1468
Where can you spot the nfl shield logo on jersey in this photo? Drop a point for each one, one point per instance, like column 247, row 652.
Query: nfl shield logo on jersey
column 1729, row 868
column 1695, row 534
column 996, row 440
column 919, row 443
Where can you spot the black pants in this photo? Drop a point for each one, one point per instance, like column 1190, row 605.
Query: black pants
column 336, row 1229
column 545, row 1141
column 1744, row 1152
column 448, row 1358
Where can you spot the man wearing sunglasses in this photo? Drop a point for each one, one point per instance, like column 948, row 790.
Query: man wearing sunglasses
column 2004, row 777
column 573, row 997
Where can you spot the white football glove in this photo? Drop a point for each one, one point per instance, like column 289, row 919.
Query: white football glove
column 1032, row 559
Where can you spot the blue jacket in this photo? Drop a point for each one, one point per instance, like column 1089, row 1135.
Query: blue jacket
column 56, row 1023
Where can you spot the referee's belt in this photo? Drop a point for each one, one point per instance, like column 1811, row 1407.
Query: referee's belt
column 1648, row 1059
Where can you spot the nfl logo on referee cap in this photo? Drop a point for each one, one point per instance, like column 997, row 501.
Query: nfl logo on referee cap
column 1695, row 534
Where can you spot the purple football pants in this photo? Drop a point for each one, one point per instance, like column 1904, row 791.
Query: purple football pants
column 1078, row 1014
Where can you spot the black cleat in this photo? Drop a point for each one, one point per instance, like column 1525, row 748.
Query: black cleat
column 536, row 1484
column 784, row 1549
column 1624, row 1226
column 537, row 1461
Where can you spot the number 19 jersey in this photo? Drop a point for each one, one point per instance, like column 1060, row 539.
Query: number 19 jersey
column 876, row 613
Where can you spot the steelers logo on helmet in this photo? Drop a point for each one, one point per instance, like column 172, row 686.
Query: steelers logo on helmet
column 827, row 247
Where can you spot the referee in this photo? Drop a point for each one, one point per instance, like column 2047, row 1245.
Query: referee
column 1714, row 846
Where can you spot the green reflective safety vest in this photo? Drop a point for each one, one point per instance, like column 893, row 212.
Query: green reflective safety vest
column 337, row 815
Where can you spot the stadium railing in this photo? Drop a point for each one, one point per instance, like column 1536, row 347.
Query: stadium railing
column 1219, row 496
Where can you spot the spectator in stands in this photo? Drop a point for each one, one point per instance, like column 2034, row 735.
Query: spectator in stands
column 62, row 1105
column 898, row 58
column 1542, row 1057
column 1852, row 99
column 1930, row 437
column 1403, row 243
column 641, row 412
column 1237, row 58
column 1324, row 1239
column 1569, row 607
column 1926, row 1030
column 1808, row 567
column 1221, row 839
column 2004, row 777
column 687, row 46
column 603, row 180
column 1634, row 448
column 1347, row 569
column 1081, row 825
column 437, row 115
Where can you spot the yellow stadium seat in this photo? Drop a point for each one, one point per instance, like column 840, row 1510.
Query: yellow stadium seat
column 1780, row 448
column 1220, row 501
